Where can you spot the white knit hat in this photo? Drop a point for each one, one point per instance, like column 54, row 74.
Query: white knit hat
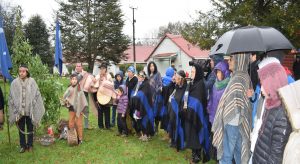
column 267, row 61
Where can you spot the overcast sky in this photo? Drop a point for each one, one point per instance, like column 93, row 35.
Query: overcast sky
column 150, row 14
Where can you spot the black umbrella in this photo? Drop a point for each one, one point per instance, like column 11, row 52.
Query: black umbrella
column 251, row 39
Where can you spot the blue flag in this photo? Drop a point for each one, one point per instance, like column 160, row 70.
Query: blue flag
column 58, row 49
column 5, row 63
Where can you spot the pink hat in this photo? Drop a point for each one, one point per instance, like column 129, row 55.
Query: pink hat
column 272, row 76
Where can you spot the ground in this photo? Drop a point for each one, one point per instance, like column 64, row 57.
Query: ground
column 99, row 146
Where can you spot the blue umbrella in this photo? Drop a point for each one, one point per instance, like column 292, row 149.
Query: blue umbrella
column 58, row 49
column 5, row 63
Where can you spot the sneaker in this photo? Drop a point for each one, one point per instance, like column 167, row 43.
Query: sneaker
column 22, row 150
column 124, row 135
column 145, row 139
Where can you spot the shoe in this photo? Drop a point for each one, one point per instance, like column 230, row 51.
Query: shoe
column 79, row 142
column 124, row 135
column 29, row 149
column 22, row 150
column 118, row 134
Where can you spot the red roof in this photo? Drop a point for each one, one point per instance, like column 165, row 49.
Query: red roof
column 191, row 50
column 141, row 53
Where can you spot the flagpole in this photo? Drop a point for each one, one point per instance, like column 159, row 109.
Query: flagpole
column 6, row 110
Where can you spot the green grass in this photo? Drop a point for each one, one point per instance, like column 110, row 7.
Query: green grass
column 100, row 146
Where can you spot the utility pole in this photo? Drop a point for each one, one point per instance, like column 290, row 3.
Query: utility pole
column 133, row 36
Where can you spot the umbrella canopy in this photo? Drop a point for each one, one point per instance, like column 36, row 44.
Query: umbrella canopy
column 251, row 39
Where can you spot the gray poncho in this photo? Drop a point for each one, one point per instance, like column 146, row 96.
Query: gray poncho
column 235, row 105
column 25, row 100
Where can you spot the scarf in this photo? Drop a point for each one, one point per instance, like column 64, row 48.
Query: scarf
column 222, row 84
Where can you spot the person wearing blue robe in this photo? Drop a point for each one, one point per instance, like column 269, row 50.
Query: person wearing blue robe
column 176, row 113
column 196, row 117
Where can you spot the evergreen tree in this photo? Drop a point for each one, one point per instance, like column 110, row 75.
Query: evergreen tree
column 91, row 28
column 37, row 35
column 21, row 49
column 281, row 14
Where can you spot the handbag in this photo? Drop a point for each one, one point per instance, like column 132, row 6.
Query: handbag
column 72, row 137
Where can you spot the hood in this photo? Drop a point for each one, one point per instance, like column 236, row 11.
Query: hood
column 199, row 72
column 166, row 80
column 223, row 67
column 241, row 62
column 124, row 89
column 119, row 73
column 170, row 72
column 216, row 58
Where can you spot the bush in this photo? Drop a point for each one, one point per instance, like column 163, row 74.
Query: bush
column 50, row 89
column 124, row 67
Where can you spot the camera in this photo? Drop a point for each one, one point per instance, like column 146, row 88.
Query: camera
column 191, row 63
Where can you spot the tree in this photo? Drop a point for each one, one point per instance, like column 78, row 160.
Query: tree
column 49, row 85
column 37, row 35
column 204, row 30
column 172, row 28
column 281, row 14
column 8, row 13
column 21, row 49
column 92, row 28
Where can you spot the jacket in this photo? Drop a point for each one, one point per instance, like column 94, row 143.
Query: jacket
column 122, row 101
column 273, row 137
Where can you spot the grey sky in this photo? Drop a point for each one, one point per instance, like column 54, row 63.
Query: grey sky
column 150, row 14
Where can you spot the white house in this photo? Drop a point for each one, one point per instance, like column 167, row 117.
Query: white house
column 175, row 50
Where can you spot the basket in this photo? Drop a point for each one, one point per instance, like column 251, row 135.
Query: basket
column 47, row 140
column 72, row 137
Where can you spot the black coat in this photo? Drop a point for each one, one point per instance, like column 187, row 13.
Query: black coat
column 273, row 137
column 296, row 70
column 253, row 67
column 131, row 85
column 1, row 100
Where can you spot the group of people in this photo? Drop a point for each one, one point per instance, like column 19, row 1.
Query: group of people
column 234, row 113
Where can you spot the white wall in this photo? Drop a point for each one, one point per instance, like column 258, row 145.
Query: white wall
column 168, row 46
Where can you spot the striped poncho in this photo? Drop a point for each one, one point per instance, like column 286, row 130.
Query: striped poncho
column 235, row 102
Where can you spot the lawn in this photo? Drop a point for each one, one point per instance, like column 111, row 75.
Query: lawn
column 99, row 146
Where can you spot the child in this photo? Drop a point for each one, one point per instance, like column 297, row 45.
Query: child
column 122, row 101
column 76, row 102
column 117, row 83
column 222, row 73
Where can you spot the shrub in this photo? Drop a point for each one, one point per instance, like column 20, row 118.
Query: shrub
column 50, row 88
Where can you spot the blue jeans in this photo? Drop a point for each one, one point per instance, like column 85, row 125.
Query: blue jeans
column 113, row 117
column 232, row 145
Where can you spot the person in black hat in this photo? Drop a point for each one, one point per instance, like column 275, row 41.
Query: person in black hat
column 175, row 108
column 103, row 109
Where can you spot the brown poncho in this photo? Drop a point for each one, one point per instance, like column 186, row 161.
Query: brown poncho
column 76, row 98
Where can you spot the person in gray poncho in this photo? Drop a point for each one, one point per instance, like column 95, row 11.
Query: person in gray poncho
column 25, row 106
column 232, row 123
